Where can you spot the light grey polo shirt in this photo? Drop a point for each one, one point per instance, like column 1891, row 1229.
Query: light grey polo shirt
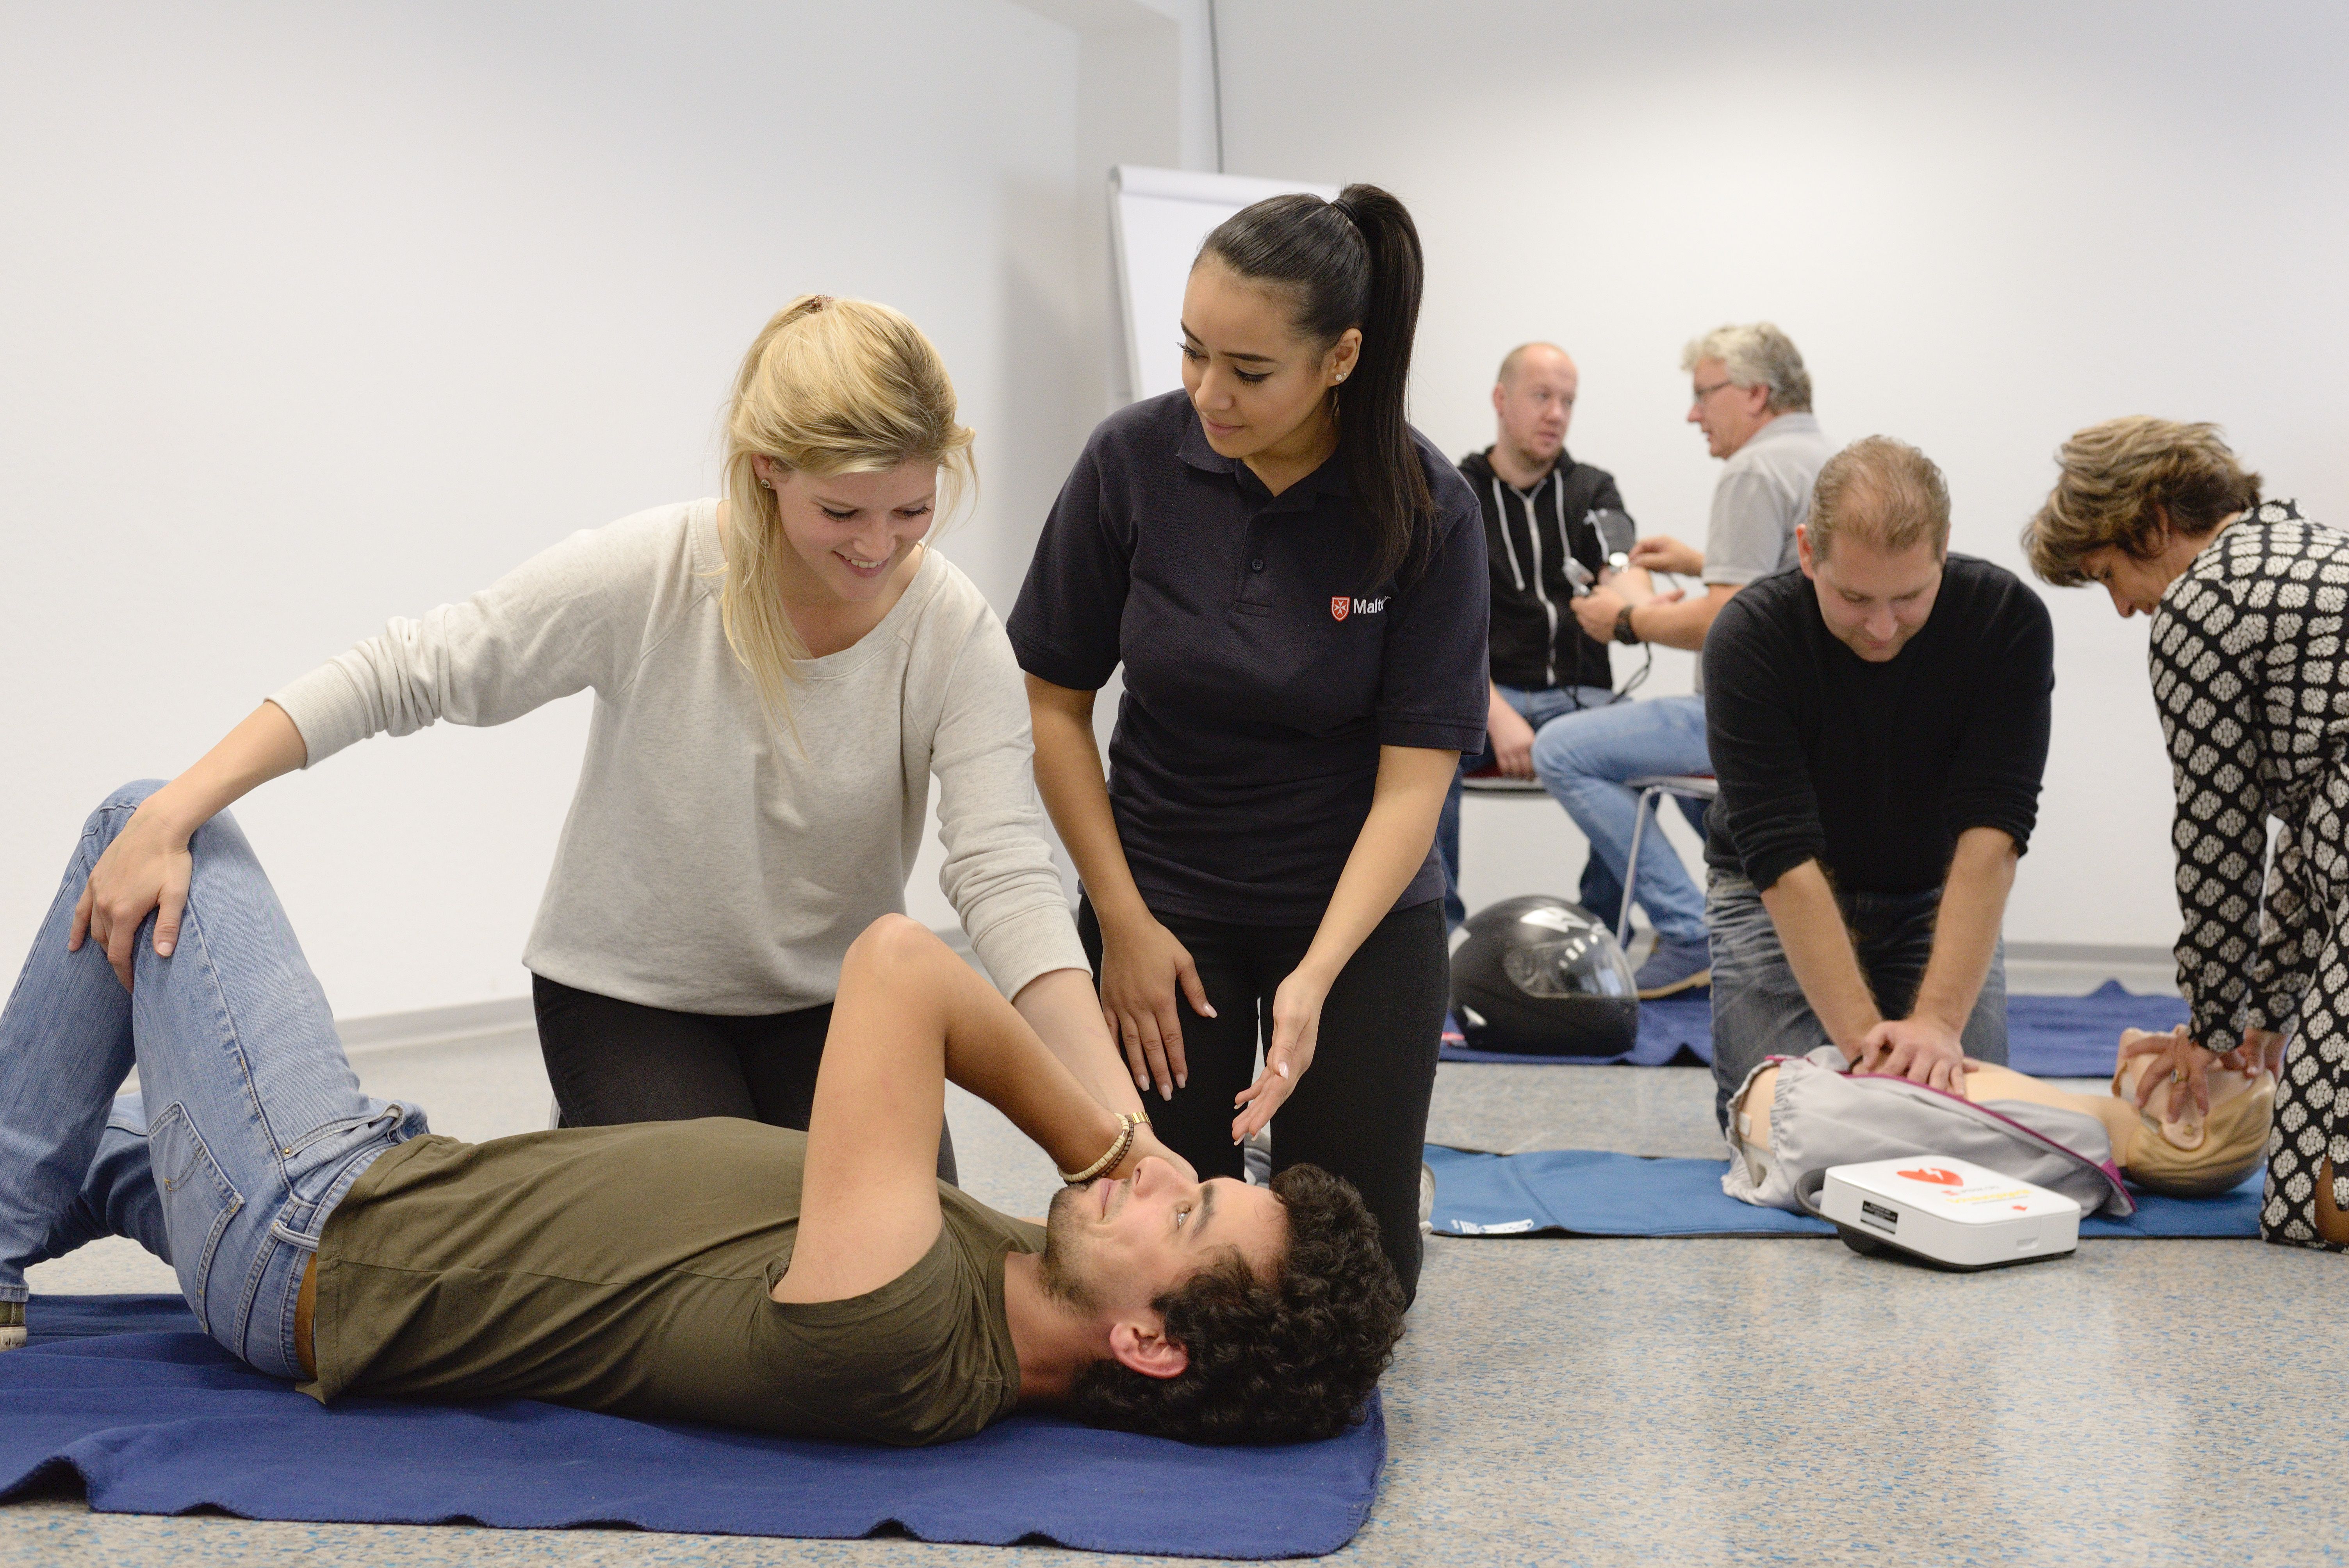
column 1764, row 490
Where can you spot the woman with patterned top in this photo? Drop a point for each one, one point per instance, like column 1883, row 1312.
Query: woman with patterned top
column 2249, row 602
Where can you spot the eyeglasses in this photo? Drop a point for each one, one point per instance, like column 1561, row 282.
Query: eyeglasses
column 1704, row 392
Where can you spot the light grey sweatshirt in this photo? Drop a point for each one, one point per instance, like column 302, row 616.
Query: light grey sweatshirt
column 709, row 865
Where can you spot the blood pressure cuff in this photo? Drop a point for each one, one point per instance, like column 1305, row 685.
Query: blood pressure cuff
column 1822, row 1114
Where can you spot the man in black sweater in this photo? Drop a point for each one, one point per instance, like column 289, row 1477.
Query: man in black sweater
column 1879, row 723
column 1543, row 549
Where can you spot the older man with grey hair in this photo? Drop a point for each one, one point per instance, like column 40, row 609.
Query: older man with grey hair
column 1750, row 396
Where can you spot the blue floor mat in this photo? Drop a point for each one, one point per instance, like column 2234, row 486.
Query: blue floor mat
column 158, row 1420
column 1585, row 1193
column 2051, row 1036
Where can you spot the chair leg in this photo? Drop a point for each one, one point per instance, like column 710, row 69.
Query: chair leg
column 1632, row 864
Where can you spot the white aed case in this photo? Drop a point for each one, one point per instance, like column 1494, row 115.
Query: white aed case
column 1949, row 1211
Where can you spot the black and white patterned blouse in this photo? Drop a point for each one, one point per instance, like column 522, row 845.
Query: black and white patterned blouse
column 2251, row 680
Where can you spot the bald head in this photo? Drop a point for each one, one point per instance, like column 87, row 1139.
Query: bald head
column 1535, row 401
column 1543, row 355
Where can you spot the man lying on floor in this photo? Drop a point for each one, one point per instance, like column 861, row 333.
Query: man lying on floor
column 823, row 1284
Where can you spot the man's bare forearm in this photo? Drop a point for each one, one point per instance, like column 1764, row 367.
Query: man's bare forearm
column 992, row 1051
column 1965, row 931
column 1680, row 624
column 1064, row 1010
column 1818, row 949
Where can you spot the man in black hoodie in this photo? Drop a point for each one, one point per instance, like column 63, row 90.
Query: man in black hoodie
column 1542, row 548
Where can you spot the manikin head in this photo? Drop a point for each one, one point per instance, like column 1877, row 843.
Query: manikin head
column 1534, row 398
column 1232, row 1313
column 1741, row 379
column 2177, row 1150
column 1874, row 544
column 2135, row 502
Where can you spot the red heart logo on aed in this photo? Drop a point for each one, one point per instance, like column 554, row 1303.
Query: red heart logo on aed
column 1934, row 1174
column 1338, row 605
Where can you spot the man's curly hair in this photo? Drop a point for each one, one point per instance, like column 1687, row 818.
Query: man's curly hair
column 1283, row 1360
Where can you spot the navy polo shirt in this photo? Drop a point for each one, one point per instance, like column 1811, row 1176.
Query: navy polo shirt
column 1264, row 669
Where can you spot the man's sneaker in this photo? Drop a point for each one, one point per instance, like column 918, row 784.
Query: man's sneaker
column 1454, row 1038
column 12, row 1324
column 1674, row 968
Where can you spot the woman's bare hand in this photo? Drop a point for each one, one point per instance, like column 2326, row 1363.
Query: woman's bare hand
column 1142, row 969
column 1296, row 1032
column 2175, row 1059
column 145, row 871
column 1147, row 1147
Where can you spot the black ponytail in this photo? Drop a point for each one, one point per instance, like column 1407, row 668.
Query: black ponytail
column 1354, row 262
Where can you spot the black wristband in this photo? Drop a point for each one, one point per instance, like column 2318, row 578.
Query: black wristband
column 1623, row 629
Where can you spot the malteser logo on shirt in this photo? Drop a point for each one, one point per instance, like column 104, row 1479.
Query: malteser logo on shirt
column 1341, row 606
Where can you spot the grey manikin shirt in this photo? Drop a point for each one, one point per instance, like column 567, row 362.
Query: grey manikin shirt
column 1763, row 491
column 709, row 865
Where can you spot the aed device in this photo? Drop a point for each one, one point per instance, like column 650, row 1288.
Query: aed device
column 1947, row 1212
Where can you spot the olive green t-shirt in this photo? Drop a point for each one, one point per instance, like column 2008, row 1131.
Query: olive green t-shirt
column 627, row 1269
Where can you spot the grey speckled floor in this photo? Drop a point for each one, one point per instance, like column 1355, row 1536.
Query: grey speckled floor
column 1607, row 1401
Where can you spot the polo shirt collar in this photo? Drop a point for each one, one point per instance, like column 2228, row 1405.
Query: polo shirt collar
column 1785, row 424
column 1330, row 478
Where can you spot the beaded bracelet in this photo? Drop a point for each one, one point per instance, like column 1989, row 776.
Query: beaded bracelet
column 1127, row 1120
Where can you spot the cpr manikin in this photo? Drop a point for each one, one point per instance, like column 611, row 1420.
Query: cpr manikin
column 1793, row 1116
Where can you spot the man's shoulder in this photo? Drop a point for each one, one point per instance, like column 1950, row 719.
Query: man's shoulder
column 1790, row 442
column 1768, row 606
column 1990, row 590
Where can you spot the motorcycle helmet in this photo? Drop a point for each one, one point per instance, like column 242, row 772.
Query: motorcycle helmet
column 1540, row 976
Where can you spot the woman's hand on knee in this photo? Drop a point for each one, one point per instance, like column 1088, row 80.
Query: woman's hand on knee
column 146, row 869
column 1296, row 1031
column 1142, row 971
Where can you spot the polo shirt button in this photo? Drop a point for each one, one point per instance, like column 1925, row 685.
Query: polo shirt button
column 1257, row 565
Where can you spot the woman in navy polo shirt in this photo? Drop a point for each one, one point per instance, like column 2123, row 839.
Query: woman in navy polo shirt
column 1294, row 580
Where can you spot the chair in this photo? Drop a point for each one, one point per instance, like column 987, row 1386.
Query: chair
column 1696, row 787
column 1497, row 783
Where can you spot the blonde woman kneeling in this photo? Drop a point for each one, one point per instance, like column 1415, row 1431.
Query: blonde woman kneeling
column 777, row 677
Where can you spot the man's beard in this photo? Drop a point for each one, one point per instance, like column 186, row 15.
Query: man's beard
column 1057, row 1271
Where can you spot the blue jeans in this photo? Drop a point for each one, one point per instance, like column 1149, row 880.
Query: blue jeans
column 262, row 1127
column 1758, row 1006
column 1536, row 708
column 1583, row 758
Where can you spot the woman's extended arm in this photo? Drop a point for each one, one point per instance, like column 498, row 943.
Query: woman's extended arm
column 147, row 866
column 1142, row 963
column 572, row 616
column 1392, row 845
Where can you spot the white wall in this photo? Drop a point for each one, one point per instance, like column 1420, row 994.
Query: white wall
column 317, row 314
column 1986, row 226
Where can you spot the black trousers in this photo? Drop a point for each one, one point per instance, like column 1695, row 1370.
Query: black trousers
column 613, row 1062
column 1361, row 1110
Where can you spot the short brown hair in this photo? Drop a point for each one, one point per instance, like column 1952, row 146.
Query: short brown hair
column 2126, row 484
column 1883, row 490
column 1288, row 1360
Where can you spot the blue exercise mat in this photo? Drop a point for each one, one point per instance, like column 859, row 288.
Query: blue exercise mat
column 1585, row 1193
column 158, row 1420
column 2051, row 1036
